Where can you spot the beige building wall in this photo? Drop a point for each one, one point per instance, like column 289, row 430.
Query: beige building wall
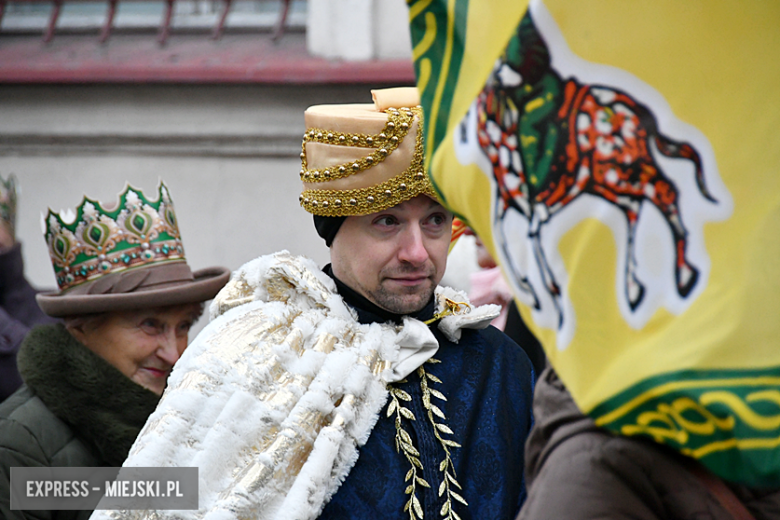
column 229, row 155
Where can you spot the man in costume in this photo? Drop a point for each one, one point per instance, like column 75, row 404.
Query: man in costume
column 361, row 390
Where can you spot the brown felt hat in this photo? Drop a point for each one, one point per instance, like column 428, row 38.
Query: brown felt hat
column 125, row 257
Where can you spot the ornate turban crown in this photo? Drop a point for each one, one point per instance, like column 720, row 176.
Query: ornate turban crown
column 358, row 159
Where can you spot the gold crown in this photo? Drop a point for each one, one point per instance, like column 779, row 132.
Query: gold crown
column 359, row 159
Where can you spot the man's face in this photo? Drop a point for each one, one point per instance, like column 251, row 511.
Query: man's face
column 395, row 257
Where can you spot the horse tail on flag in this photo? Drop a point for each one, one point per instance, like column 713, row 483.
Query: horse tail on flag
column 674, row 149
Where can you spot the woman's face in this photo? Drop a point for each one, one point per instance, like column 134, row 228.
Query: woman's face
column 143, row 345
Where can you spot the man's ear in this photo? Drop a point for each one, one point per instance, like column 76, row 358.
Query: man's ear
column 334, row 258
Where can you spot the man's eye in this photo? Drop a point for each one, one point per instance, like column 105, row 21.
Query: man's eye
column 386, row 220
column 437, row 220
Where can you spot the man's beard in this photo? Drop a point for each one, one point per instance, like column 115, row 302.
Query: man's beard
column 402, row 302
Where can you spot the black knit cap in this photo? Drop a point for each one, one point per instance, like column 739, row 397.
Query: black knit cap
column 327, row 227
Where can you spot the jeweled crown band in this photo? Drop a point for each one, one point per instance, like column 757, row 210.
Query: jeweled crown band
column 99, row 241
column 363, row 201
column 161, row 274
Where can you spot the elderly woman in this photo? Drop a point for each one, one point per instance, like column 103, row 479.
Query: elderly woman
column 127, row 299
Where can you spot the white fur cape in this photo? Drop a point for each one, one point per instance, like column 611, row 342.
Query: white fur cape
column 273, row 397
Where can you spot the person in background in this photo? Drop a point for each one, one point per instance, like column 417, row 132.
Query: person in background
column 488, row 285
column 127, row 299
column 18, row 310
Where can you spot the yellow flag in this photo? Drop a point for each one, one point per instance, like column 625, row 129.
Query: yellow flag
column 622, row 161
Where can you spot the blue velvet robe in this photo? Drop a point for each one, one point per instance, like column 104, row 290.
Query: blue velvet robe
column 488, row 382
